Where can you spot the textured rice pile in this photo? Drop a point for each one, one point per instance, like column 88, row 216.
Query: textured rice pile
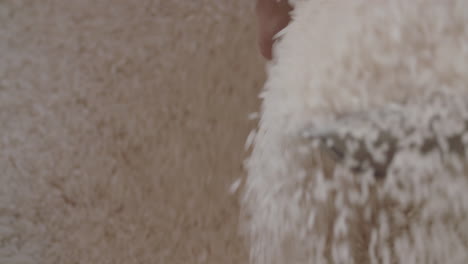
column 121, row 129
column 360, row 155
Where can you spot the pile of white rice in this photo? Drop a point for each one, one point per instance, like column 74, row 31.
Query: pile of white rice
column 360, row 154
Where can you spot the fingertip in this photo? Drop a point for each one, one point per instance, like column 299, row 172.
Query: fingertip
column 265, row 43
column 266, row 50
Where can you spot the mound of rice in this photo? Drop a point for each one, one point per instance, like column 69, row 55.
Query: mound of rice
column 360, row 153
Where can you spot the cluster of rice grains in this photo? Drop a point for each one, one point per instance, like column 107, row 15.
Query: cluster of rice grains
column 360, row 153
column 381, row 186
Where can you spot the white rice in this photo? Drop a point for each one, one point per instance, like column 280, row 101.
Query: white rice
column 384, row 85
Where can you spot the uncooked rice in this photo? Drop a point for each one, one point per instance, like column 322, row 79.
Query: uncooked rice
column 360, row 155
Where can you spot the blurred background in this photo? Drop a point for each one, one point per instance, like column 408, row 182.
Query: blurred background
column 122, row 127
